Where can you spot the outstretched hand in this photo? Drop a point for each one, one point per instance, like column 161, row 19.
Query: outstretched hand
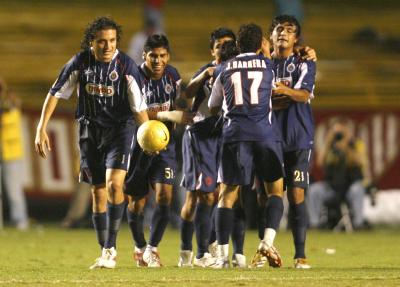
column 42, row 143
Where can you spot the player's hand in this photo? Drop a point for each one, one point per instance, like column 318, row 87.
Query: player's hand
column 306, row 53
column 280, row 102
column 42, row 143
column 209, row 72
column 280, row 89
column 187, row 118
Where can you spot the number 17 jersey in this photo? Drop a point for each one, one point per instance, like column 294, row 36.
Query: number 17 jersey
column 243, row 89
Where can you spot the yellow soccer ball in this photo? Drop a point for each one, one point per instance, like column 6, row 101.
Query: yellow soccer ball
column 153, row 136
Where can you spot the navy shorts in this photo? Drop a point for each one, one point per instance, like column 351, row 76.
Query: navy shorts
column 297, row 164
column 104, row 148
column 240, row 159
column 200, row 151
column 145, row 169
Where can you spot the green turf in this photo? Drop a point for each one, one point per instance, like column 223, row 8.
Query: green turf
column 52, row 256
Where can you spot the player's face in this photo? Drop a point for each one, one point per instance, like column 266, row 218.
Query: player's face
column 216, row 50
column 104, row 45
column 156, row 60
column 284, row 36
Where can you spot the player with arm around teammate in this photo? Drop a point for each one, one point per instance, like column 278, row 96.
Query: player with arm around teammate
column 294, row 81
column 161, row 86
column 107, row 83
column 243, row 90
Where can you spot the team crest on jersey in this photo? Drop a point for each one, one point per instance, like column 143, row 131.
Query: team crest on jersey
column 291, row 68
column 99, row 90
column 168, row 88
column 113, row 76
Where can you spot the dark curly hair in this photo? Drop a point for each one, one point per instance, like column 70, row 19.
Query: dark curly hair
column 98, row 24
column 156, row 41
column 219, row 33
column 228, row 50
column 281, row 19
column 249, row 38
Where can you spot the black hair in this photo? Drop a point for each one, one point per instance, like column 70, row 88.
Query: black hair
column 98, row 24
column 221, row 33
column 249, row 38
column 228, row 50
column 281, row 19
column 156, row 41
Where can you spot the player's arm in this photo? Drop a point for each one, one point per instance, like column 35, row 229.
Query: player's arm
column 137, row 102
column 306, row 53
column 42, row 140
column 296, row 95
column 216, row 98
column 197, row 82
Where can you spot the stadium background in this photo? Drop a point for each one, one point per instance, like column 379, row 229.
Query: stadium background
column 358, row 46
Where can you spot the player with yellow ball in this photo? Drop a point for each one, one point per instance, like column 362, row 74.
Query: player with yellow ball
column 153, row 136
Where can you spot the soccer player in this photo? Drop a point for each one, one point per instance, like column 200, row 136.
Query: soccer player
column 243, row 90
column 201, row 143
column 294, row 81
column 107, row 83
column 161, row 86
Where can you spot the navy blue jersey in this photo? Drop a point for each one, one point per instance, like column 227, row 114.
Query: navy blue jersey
column 161, row 94
column 203, row 92
column 107, row 92
column 296, row 122
column 243, row 89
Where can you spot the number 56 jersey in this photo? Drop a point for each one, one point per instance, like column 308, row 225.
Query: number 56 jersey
column 243, row 89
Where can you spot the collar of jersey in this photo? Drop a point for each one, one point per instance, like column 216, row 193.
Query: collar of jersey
column 246, row 54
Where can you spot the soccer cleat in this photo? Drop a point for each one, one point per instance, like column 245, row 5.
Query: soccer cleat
column 239, row 261
column 138, row 257
column 185, row 258
column 221, row 262
column 206, row 261
column 301, row 263
column 151, row 258
column 213, row 249
column 266, row 253
column 107, row 259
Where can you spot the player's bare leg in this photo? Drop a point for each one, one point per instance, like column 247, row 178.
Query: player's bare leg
column 274, row 211
column 135, row 217
column 298, row 222
column 224, row 220
column 159, row 223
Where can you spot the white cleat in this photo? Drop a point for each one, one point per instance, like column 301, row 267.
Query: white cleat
column 301, row 263
column 152, row 258
column 221, row 262
column 239, row 261
column 185, row 258
column 206, row 261
column 213, row 249
column 108, row 259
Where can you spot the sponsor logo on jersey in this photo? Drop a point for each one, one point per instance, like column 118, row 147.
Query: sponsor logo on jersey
column 168, row 88
column 291, row 68
column 113, row 76
column 99, row 90
column 159, row 107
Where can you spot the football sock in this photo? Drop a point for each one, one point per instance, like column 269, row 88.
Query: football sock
column 238, row 230
column 187, row 229
column 100, row 226
column 274, row 212
column 298, row 222
column 114, row 217
column 135, row 222
column 213, row 233
column 224, row 222
column 269, row 237
column 261, row 221
column 159, row 223
column 202, row 226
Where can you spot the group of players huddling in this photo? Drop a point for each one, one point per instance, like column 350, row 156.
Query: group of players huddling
column 265, row 134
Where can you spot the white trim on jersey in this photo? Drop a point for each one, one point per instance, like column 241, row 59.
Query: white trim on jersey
column 137, row 102
column 304, row 71
column 67, row 89
column 217, row 94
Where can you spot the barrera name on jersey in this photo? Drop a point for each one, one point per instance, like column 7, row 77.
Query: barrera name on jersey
column 243, row 89
column 108, row 93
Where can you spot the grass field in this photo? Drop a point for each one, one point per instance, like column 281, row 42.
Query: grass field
column 49, row 256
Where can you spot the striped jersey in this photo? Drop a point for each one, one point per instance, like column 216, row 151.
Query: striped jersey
column 296, row 122
column 107, row 93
